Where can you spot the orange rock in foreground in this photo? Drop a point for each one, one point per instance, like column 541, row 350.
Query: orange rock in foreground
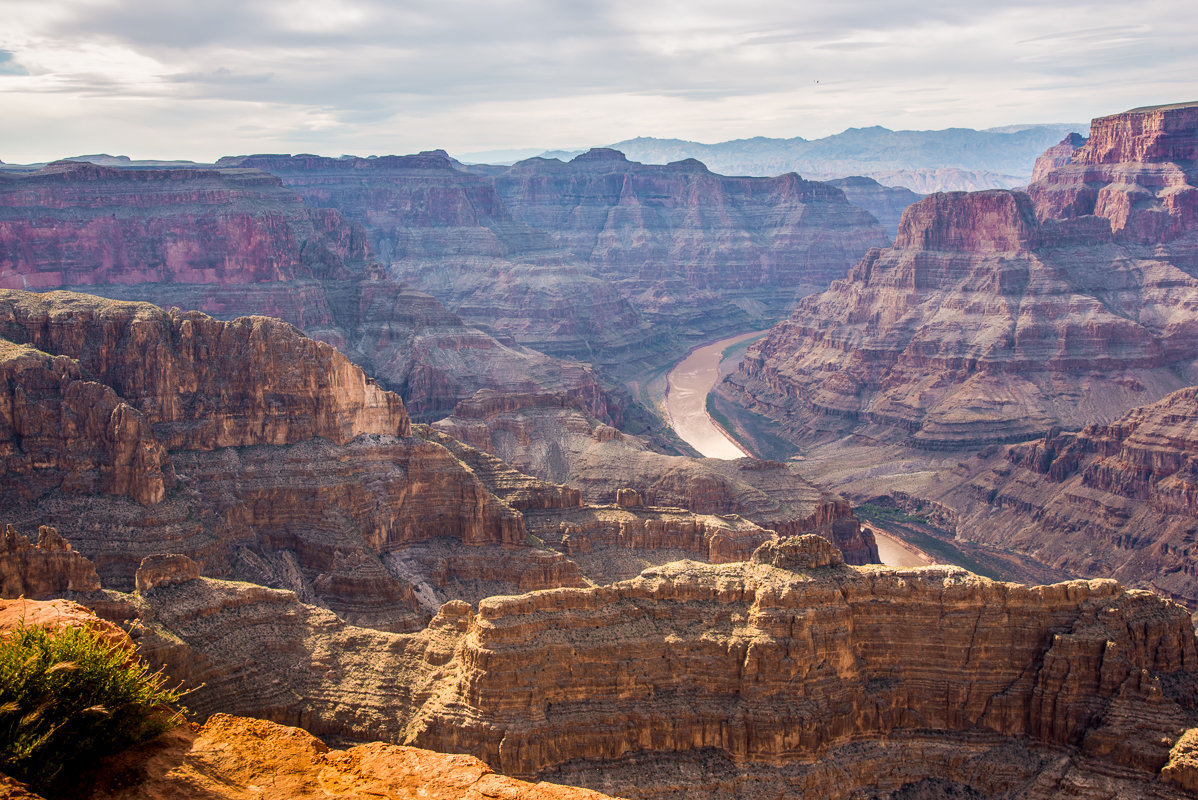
column 238, row 757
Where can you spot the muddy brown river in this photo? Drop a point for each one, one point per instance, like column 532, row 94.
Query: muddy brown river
column 687, row 387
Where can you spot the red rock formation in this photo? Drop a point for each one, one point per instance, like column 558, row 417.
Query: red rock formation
column 60, row 430
column 997, row 315
column 1137, row 173
column 47, row 569
column 697, row 680
column 1057, row 156
column 203, row 383
column 301, row 477
column 234, row 242
column 1152, row 133
column 1115, row 500
column 230, row 758
column 658, row 228
column 449, row 233
column 77, row 224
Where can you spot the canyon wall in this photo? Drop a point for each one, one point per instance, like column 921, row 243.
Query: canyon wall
column 777, row 673
column 682, row 241
column 448, row 232
column 1118, row 499
column 236, row 241
column 599, row 258
column 267, row 456
column 998, row 315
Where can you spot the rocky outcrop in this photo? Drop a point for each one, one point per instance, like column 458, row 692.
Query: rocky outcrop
column 886, row 203
column 1149, row 134
column 1136, row 174
column 1057, row 156
column 202, row 383
column 553, row 437
column 235, row 757
column 998, row 315
column 695, row 680
column 235, row 242
column 302, row 477
column 1118, row 500
column 46, row 569
column 60, row 430
column 78, row 224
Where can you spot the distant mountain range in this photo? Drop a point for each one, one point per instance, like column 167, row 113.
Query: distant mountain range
column 923, row 161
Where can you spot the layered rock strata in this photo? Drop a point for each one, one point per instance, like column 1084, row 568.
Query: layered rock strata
column 233, row 242
column 449, row 233
column 998, row 315
column 1119, row 499
column 47, row 568
column 553, row 437
column 140, row 433
column 78, row 224
column 682, row 241
column 137, row 432
column 236, row 757
column 778, row 673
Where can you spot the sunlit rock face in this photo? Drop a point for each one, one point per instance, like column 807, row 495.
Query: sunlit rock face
column 769, row 676
column 998, row 315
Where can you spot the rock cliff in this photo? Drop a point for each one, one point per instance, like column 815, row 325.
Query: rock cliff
column 682, row 241
column 1119, row 499
column 553, row 437
column 78, row 224
column 137, row 431
column 789, row 674
column 998, row 315
column 449, row 233
column 236, row 241
column 236, row 757
column 250, row 451
column 600, row 258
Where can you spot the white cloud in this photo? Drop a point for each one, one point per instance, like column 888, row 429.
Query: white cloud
column 374, row 76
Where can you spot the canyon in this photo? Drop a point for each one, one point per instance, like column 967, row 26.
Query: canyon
column 998, row 315
column 600, row 258
column 233, row 242
column 393, row 525
column 789, row 672
column 1057, row 318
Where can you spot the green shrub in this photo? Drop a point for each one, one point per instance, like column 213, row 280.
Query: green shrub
column 69, row 697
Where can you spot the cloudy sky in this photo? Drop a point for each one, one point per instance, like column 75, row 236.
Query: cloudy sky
column 197, row 80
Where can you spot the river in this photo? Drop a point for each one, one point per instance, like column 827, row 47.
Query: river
column 687, row 387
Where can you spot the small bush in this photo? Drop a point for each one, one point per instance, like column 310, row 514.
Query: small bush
column 68, row 697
